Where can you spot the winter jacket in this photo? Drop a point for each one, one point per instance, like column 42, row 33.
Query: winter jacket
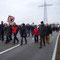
column 7, row 30
column 2, row 27
column 28, row 28
column 23, row 32
column 50, row 28
column 32, row 28
column 10, row 29
column 47, row 30
column 36, row 32
column 42, row 30
column 15, row 29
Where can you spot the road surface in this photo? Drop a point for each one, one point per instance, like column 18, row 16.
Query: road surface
column 31, row 51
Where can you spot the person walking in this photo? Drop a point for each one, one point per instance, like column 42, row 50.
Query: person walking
column 48, row 32
column 42, row 32
column 36, row 34
column 6, row 31
column 23, row 34
column 2, row 31
column 28, row 29
column 15, row 31
column 10, row 31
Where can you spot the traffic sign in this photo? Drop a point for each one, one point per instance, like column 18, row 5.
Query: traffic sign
column 11, row 19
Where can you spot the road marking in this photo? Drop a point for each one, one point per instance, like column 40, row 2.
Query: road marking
column 55, row 49
column 9, row 49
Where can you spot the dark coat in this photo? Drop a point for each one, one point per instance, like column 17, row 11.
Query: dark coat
column 10, row 30
column 2, row 27
column 42, row 30
column 23, row 32
column 28, row 28
column 48, row 30
column 32, row 28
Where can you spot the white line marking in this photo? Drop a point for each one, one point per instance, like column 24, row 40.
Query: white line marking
column 55, row 49
column 9, row 49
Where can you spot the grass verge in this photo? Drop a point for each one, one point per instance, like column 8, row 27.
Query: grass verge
column 58, row 50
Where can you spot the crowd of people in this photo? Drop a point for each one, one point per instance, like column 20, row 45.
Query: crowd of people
column 43, row 31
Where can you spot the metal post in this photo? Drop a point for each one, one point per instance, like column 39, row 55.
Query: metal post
column 45, row 11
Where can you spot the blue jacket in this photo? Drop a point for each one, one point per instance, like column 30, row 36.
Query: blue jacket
column 2, row 27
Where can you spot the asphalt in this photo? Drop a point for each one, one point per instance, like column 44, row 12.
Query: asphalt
column 29, row 51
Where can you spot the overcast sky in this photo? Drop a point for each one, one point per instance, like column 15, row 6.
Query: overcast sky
column 27, row 11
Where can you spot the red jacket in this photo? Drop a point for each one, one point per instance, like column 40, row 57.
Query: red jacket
column 14, row 29
column 36, row 32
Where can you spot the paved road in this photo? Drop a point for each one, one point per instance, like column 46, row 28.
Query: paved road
column 31, row 51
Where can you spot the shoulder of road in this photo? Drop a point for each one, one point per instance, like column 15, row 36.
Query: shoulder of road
column 58, row 50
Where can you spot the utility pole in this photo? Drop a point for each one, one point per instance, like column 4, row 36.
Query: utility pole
column 45, row 11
